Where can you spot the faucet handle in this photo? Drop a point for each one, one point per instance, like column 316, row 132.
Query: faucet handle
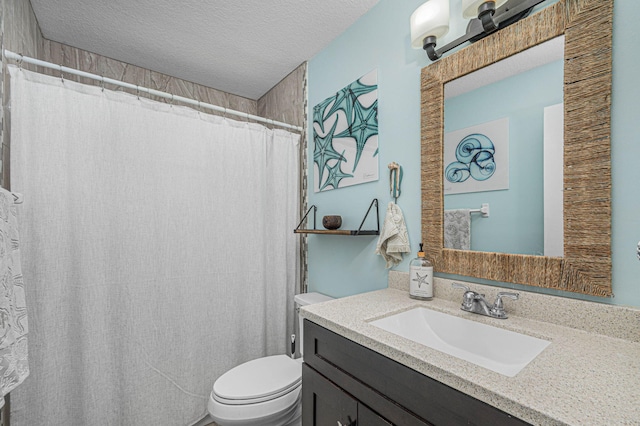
column 468, row 298
column 498, row 307
column 508, row 294
column 460, row 286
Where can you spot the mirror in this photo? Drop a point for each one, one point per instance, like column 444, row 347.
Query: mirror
column 586, row 264
column 507, row 154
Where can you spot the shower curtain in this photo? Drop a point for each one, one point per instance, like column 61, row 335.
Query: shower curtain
column 158, row 247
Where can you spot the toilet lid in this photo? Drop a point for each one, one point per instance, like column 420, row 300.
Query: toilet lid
column 258, row 380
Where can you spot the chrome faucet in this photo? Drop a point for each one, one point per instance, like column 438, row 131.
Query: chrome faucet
column 477, row 304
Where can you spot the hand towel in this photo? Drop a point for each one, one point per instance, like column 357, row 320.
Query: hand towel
column 14, row 367
column 457, row 229
column 394, row 239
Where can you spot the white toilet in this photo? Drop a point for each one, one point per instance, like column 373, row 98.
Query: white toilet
column 265, row 391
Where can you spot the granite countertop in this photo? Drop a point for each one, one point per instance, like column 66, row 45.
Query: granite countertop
column 581, row 378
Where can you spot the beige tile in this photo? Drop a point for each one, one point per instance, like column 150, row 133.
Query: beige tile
column 111, row 68
column 21, row 31
column 285, row 101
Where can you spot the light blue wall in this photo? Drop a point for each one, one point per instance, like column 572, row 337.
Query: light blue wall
column 341, row 266
column 516, row 222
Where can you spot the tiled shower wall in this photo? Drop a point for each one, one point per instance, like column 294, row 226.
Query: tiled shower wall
column 72, row 57
column 287, row 102
column 20, row 33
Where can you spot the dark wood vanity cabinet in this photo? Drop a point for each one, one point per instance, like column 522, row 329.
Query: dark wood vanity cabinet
column 345, row 383
column 327, row 404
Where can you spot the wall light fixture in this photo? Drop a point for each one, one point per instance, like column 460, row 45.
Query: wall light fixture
column 430, row 21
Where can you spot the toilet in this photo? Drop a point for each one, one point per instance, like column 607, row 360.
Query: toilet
column 264, row 391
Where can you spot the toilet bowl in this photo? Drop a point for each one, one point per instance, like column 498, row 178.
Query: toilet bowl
column 265, row 391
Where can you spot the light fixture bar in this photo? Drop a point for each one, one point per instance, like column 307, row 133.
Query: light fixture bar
column 512, row 11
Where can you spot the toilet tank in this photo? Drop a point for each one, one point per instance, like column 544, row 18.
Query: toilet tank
column 304, row 299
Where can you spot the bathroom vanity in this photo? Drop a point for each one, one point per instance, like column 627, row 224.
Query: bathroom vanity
column 345, row 382
column 355, row 371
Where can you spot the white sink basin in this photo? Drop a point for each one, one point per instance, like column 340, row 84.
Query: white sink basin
column 503, row 351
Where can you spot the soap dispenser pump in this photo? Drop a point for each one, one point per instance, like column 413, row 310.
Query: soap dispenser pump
column 421, row 277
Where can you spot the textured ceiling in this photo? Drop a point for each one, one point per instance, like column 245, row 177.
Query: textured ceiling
column 242, row 47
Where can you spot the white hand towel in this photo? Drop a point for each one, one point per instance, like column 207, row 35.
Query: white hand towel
column 457, row 229
column 394, row 239
column 13, row 310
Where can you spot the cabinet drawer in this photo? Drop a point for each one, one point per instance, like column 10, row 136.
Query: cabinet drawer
column 395, row 391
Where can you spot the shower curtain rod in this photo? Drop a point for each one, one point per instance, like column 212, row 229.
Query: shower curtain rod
column 20, row 58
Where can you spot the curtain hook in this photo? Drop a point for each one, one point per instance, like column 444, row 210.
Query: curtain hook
column 138, row 92
column 102, row 85
column 20, row 61
column 61, row 74
column 172, row 100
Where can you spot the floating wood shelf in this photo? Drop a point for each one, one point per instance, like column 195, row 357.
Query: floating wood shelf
column 354, row 232
column 336, row 231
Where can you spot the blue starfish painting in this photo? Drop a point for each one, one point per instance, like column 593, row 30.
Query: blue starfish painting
column 335, row 176
column 345, row 135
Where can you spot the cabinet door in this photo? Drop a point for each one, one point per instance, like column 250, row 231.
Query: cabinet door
column 366, row 417
column 325, row 404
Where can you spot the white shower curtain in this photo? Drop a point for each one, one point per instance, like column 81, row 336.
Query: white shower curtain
column 159, row 250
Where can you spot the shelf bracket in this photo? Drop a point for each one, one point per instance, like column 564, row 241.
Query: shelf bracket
column 315, row 209
column 374, row 202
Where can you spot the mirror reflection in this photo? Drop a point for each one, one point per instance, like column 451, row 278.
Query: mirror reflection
column 502, row 152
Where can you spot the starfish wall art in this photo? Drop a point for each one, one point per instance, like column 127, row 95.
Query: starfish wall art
column 345, row 136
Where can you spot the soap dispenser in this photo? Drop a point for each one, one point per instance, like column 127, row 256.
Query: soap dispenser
column 421, row 277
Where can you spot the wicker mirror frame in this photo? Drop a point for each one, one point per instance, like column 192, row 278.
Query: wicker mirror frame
column 586, row 265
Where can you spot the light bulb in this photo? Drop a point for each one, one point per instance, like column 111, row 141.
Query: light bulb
column 430, row 19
